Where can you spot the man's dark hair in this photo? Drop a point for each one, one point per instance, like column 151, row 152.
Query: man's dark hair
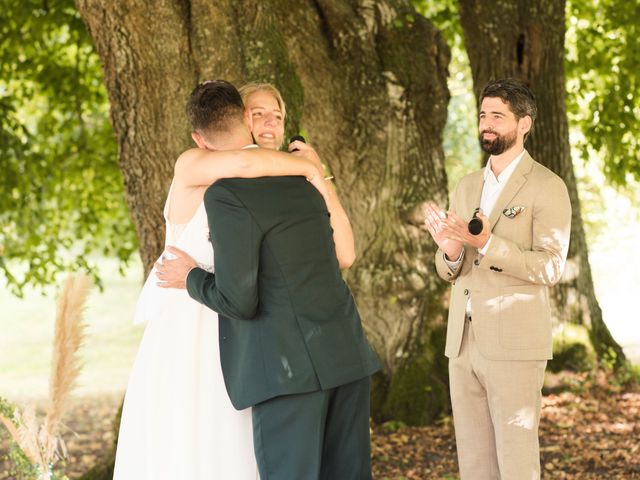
column 213, row 105
column 517, row 95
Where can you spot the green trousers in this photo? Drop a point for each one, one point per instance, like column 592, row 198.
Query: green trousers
column 322, row 435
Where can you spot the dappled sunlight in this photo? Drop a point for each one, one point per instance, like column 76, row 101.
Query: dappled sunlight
column 523, row 418
column 550, row 268
column 519, row 299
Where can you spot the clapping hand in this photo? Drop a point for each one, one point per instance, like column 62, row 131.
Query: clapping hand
column 435, row 220
column 450, row 232
column 456, row 229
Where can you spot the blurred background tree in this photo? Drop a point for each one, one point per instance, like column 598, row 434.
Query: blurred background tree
column 602, row 65
column 603, row 84
column 61, row 187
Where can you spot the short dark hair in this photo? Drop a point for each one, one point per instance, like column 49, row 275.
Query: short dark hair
column 213, row 105
column 516, row 94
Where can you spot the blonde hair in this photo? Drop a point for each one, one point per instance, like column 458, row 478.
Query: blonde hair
column 252, row 87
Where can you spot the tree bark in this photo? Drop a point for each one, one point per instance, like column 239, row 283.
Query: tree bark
column 524, row 39
column 366, row 79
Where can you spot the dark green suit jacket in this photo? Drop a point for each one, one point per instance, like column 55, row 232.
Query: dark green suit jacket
column 288, row 322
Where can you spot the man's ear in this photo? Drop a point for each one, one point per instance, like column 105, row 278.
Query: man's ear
column 199, row 140
column 248, row 119
column 524, row 125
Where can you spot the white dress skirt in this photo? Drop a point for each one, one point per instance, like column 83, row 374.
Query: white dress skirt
column 177, row 419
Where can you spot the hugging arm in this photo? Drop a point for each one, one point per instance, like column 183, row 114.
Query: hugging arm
column 198, row 167
column 232, row 290
column 342, row 231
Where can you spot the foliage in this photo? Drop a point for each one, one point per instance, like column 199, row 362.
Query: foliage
column 572, row 349
column 603, row 84
column 460, row 139
column 20, row 466
column 61, row 192
column 625, row 376
column 571, row 356
column 444, row 15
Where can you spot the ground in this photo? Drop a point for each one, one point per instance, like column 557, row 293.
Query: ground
column 588, row 435
column 590, row 431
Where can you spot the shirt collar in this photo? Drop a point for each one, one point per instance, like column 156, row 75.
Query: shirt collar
column 506, row 173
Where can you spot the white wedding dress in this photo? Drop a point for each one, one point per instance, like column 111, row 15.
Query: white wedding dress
column 177, row 420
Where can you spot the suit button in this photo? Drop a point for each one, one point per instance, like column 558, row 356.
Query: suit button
column 476, row 262
column 466, row 292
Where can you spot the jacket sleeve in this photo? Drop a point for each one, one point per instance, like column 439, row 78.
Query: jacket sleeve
column 232, row 290
column 443, row 269
column 551, row 229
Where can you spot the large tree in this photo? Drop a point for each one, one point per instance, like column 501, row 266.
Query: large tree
column 367, row 82
column 524, row 39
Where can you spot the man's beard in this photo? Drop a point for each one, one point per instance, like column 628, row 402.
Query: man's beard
column 499, row 144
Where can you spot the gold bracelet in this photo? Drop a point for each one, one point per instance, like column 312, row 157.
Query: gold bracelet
column 330, row 177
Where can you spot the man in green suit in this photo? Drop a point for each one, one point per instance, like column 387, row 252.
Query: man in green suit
column 291, row 341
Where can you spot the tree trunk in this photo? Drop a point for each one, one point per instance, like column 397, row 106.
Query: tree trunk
column 366, row 80
column 524, row 39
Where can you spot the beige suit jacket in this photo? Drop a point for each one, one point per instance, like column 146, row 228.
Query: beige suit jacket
column 509, row 285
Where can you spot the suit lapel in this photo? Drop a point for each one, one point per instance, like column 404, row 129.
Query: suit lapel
column 514, row 184
column 474, row 193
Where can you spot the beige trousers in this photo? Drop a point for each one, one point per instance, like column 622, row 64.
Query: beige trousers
column 496, row 412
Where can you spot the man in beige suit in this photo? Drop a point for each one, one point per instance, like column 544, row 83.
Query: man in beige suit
column 499, row 326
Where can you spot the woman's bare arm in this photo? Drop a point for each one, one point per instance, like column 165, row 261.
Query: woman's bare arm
column 342, row 231
column 198, row 167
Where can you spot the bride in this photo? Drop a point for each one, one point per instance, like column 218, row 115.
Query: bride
column 177, row 420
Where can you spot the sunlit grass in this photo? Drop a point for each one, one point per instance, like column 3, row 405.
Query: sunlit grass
column 26, row 327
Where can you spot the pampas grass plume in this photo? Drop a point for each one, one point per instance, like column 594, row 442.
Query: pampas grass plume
column 69, row 334
column 41, row 443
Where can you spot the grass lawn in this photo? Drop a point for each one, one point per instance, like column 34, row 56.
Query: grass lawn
column 110, row 346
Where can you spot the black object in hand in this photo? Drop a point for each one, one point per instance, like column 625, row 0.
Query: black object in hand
column 475, row 224
column 299, row 138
